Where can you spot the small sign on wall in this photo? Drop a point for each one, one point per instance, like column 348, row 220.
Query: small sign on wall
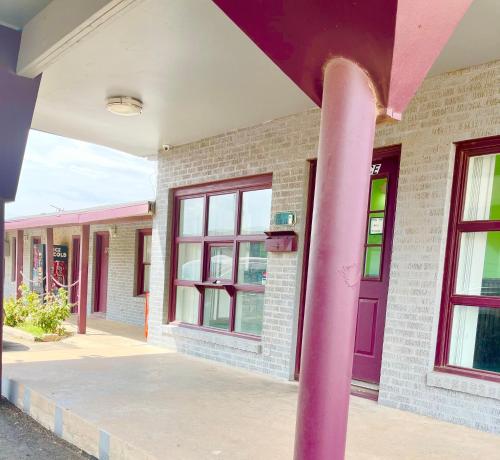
column 285, row 218
column 376, row 225
column 375, row 169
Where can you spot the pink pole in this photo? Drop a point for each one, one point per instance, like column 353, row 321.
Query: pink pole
column 335, row 261
column 83, row 280
column 2, row 235
column 49, row 260
column 19, row 261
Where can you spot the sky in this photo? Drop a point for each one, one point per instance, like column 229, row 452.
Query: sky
column 64, row 173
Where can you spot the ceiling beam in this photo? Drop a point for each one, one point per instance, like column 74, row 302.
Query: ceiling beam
column 60, row 26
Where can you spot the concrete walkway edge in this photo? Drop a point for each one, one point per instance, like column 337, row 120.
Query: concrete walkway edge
column 69, row 426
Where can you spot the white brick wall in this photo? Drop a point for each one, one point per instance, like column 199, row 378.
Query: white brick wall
column 448, row 108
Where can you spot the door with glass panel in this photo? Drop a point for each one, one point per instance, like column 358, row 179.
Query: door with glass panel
column 219, row 266
column 375, row 269
column 374, row 266
column 469, row 333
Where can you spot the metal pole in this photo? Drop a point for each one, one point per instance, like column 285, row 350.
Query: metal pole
column 335, row 261
column 83, row 280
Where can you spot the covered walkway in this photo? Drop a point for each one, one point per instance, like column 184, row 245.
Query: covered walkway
column 118, row 397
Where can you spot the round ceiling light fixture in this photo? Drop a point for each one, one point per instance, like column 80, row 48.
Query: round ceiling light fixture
column 125, row 106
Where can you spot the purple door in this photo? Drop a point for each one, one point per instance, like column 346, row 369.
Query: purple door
column 75, row 272
column 101, row 271
column 375, row 268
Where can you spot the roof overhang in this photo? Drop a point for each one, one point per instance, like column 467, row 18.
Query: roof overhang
column 131, row 212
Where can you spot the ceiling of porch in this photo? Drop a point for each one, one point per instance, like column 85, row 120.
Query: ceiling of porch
column 196, row 72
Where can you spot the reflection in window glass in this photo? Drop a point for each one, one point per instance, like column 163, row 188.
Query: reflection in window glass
column 145, row 282
column 256, row 211
column 221, row 214
column 372, row 261
column 475, row 338
column 189, row 261
column 146, row 249
column 249, row 312
column 479, row 264
column 378, row 193
column 191, row 217
column 186, row 304
column 482, row 195
column 216, row 308
column 252, row 263
column 221, row 262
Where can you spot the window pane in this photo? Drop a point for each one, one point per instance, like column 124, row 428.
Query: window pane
column 375, row 228
column 191, row 217
column 256, row 211
column 188, row 261
column 372, row 261
column 377, row 194
column 249, row 312
column 221, row 214
column 479, row 264
column 475, row 338
column 252, row 263
column 146, row 249
column 482, row 195
column 216, row 308
column 147, row 270
column 221, row 262
column 186, row 304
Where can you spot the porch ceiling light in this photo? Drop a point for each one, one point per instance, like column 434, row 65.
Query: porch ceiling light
column 124, row 105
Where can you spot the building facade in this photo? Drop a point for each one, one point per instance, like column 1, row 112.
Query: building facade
column 217, row 293
column 118, row 267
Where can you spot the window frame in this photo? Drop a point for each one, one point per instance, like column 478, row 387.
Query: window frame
column 140, row 264
column 13, row 261
column 464, row 151
column 238, row 186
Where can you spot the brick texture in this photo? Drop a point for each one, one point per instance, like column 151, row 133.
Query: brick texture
column 447, row 108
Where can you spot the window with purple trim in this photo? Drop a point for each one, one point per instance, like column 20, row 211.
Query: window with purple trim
column 469, row 341
column 220, row 262
column 143, row 261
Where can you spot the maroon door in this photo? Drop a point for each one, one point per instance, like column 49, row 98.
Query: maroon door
column 75, row 272
column 101, row 271
column 376, row 265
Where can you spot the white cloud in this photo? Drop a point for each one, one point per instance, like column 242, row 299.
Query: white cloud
column 71, row 175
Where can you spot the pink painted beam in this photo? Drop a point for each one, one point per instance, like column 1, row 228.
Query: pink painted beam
column 335, row 261
column 126, row 212
column 83, row 279
column 19, row 261
column 49, row 260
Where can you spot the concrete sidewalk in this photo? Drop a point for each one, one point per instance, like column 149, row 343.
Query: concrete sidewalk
column 117, row 397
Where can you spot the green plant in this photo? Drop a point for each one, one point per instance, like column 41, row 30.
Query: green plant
column 16, row 311
column 50, row 314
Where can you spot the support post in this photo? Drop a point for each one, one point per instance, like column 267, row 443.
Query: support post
column 335, row 261
column 19, row 261
column 49, row 261
column 83, row 279
column 2, row 236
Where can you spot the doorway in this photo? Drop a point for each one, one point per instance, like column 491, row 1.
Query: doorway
column 101, row 272
column 375, row 269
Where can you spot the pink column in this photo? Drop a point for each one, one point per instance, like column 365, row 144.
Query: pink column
column 19, row 260
column 83, row 280
column 49, row 260
column 338, row 229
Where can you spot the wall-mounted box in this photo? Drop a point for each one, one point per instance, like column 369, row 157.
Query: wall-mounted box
column 281, row 241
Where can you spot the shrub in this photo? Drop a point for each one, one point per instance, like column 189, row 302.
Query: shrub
column 51, row 314
column 29, row 308
column 17, row 311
